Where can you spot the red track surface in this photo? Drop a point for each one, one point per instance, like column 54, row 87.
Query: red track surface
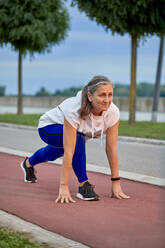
column 138, row 222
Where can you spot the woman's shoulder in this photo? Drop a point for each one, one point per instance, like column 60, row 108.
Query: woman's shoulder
column 72, row 103
column 112, row 108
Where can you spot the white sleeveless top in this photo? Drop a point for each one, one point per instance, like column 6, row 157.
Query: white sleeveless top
column 92, row 127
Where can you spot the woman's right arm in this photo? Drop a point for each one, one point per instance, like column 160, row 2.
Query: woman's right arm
column 69, row 142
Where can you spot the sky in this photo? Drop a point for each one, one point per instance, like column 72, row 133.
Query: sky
column 87, row 51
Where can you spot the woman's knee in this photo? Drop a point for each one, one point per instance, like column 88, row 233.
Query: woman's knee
column 52, row 135
column 51, row 153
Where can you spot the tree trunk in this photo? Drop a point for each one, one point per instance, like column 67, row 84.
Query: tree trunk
column 19, row 97
column 132, row 92
column 157, row 82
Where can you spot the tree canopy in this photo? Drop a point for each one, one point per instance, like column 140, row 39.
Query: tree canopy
column 42, row 92
column 2, row 90
column 144, row 89
column 32, row 25
column 136, row 17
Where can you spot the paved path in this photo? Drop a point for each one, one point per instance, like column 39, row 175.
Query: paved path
column 137, row 222
column 139, row 159
column 36, row 233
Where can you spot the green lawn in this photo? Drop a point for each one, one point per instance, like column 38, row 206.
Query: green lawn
column 142, row 129
column 28, row 119
column 13, row 239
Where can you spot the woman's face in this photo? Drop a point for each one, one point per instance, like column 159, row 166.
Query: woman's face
column 101, row 98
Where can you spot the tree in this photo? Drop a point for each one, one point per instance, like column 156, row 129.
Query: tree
column 2, row 90
column 157, row 82
column 162, row 91
column 72, row 91
column 145, row 89
column 42, row 92
column 138, row 18
column 121, row 90
column 31, row 26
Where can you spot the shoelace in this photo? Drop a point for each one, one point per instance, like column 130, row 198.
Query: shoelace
column 89, row 188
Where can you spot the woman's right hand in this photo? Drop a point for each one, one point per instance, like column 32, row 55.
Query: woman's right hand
column 64, row 195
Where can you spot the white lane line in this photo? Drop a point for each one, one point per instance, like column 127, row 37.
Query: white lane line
column 94, row 168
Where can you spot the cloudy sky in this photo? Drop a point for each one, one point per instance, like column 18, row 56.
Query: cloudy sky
column 87, row 51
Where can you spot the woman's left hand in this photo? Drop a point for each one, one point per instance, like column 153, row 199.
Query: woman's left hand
column 117, row 191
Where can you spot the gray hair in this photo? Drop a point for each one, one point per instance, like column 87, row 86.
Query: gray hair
column 91, row 87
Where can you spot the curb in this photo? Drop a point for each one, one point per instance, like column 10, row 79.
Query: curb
column 12, row 125
column 97, row 169
column 39, row 234
column 120, row 138
column 141, row 140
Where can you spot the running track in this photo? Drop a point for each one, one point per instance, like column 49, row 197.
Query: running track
column 138, row 222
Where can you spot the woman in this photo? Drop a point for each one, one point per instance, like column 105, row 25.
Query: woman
column 65, row 129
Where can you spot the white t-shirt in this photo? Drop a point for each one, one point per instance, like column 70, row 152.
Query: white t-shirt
column 92, row 127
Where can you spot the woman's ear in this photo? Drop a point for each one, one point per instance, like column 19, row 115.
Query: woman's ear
column 89, row 95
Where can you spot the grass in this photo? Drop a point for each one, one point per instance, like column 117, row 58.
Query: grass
column 13, row 239
column 143, row 129
column 28, row 119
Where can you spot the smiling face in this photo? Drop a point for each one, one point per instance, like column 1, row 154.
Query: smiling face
column 101, row 98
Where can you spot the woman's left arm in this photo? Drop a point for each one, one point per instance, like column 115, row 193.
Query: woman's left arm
column 112, row 155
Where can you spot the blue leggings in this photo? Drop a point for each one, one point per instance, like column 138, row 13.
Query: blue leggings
column 53, row 136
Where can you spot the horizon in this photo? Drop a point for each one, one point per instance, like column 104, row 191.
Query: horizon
column 87, row 51
column 81, row 86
